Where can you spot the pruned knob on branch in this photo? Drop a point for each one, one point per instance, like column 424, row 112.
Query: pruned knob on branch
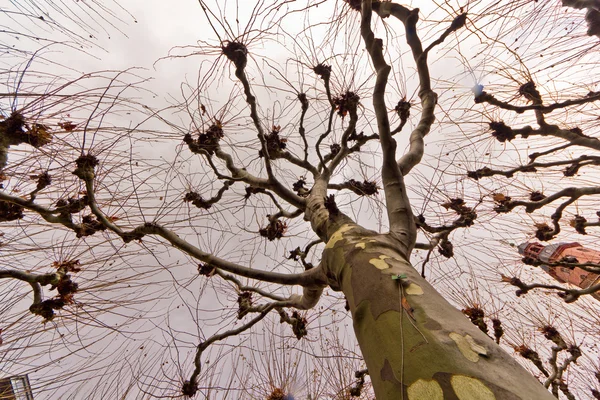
column 544, row 232
column 330, row 205
column 354, row 4
column 498, row 329
column 303, row 100
column 537, row 196
column 196, row 200
column 552, row 334
column 17, row 131
column 275, row 144
column 467, row 214
column 66, row 289
column 503, row 203
column 10, row 211
column 89, row 226
column 278, row 394
column 85, row 167
column 403, row 109
column 458, row 22
column 207, row 141
column 300, row 188
column 72, row 205
column 298, row 325
column 365, row 188
column 335, row 149
column 189, row 389
column 207, row 270
column 345, row 103
column 446, row 248
column 476, row 315
column 274, row 230
column 501, row 131
column 236, row 52
column 579, row 223
column 43, row 181
column 323, row 70
column 532, row 356
column 480, row 173
column 529, row 91
column 244, row 303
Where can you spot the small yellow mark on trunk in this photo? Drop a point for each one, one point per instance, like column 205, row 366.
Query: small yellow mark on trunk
column 468, row 347
column 425, row 390
column 361, row 245
column 467, row 388
column 477, row 348
column 414, row 289
column 379, row 262
column 337, row 236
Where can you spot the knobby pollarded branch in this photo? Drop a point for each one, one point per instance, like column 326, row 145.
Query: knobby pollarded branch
column 574, row 136
column 538, row 200
column 555, row 378
column 14, row 131
column 208, row 143
column 190, row 387
column 398, row 205
column 238, row 55
column 241, row 174
column 196, row 199
column 573, row 193
column 250, row 190
column 399, row 213
column 567, row 294
column 485, row 97
column 60, row 280
column 574, row 165
column 299, row 254
column 324, row 72
column 14, row 206
column 428, row 97
column 301, row 130
column 85, row 171
column 304, row 302
column 307, row 278
column 349, row 101
column 365, row 188
column 566, row 262
column 466, row 217
column 580, row 223
column 324, row 221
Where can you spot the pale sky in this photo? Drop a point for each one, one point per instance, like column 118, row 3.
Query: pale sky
column 181, row 318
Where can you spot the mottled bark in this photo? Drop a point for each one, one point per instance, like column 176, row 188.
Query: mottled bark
column 416, row 344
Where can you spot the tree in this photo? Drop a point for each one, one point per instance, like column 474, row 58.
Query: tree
column 84, row 176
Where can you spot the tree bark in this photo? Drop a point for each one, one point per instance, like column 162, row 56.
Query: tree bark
column 416, row 345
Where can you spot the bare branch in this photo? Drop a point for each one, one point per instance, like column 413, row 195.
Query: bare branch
column 398, row 206
column 485, row 97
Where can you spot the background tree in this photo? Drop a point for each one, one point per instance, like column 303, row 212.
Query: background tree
column 244, row 172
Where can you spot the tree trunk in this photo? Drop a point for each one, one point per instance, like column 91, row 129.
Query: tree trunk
column 416, row 345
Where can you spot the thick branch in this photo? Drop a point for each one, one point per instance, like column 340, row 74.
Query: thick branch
column 277, row 187
column 530, row 206
column 568, row 295
column 398, row 205
column 485, row 97
column 532, row 167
